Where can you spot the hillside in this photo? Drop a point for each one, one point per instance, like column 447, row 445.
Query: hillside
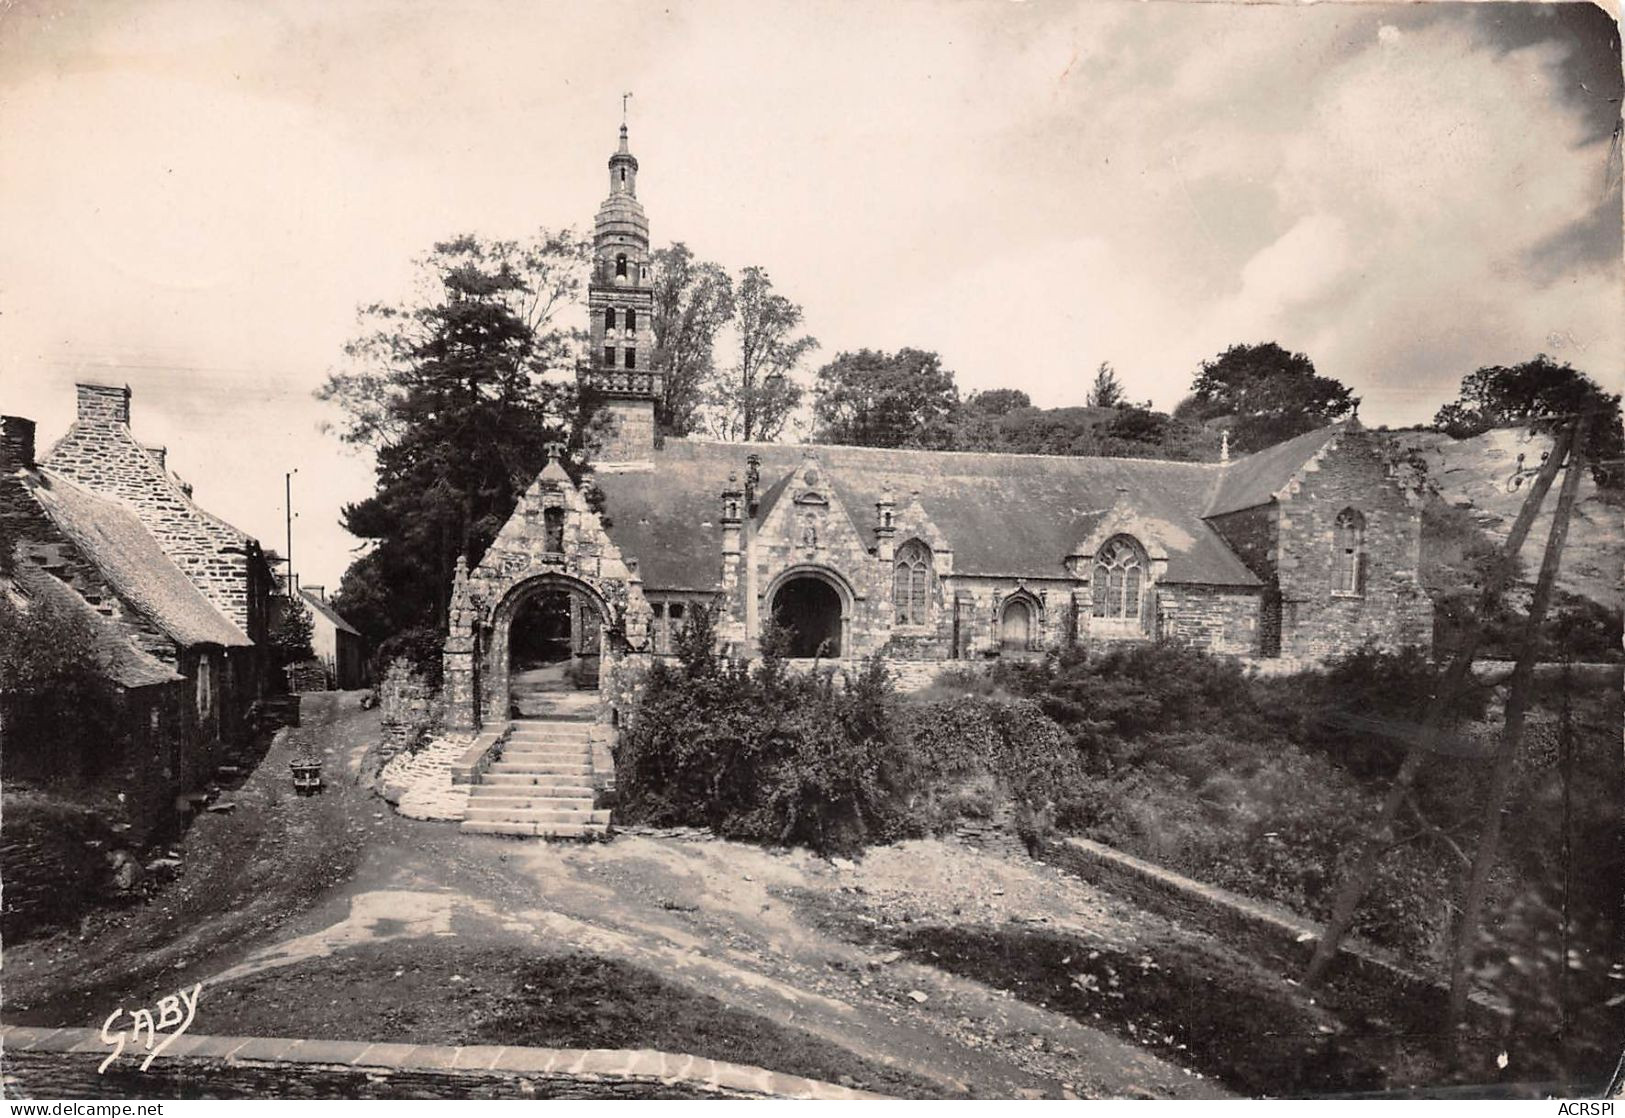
column 1474, row 472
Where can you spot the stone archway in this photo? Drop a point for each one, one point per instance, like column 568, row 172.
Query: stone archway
column 814, row 608
column 586, row 637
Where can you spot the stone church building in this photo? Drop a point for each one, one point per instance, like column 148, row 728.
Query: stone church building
column 1301, row 551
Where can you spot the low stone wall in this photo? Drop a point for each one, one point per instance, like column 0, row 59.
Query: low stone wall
column 1259, row 928
column 471, row 764
column 62, row 1063
column 406, row 707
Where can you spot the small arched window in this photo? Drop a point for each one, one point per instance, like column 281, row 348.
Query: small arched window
column 553, row 530
column 631, row 319
column 1350, row 557
column 609, row 318
column 1016, row 624
column 1119, row 581
column 911, row 584
column 620, row 265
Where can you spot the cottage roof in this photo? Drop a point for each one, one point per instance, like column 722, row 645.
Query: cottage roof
column 111, row 537
column 120, row 660
column 1013, row 515
column 317, row 603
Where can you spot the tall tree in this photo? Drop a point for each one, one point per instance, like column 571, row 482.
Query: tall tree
column 1535, row 392
column 1274, row 395
column 753, row 400
column 871, row 398
column 693, row 300
column 447, row 390
column 1107, row 391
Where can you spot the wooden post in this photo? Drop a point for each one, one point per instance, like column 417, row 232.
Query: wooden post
column 1517, row 706
column 1364, row 871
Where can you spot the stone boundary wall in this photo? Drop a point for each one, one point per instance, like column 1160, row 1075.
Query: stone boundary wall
column 1261, row 929
column 62, row 1063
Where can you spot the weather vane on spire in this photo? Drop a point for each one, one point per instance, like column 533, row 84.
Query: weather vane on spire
column 625, row 97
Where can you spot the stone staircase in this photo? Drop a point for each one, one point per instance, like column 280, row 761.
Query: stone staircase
column 542, row 785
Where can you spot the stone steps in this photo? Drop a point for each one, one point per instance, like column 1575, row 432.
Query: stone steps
column 542, row 784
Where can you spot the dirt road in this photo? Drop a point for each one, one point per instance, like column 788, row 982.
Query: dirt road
column 291, row 912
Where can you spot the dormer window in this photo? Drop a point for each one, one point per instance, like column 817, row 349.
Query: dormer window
column 1119, row 584
column 911, row 584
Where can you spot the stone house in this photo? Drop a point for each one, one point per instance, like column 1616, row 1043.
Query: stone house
column 337, row 644
column 1302, row 551
column 97, row 541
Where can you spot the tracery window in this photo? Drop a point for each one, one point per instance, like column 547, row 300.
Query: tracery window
column 911, row 584
column 1350, row 532
column 1119, row 581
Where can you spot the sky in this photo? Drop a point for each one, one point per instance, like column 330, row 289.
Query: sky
column 196, row 196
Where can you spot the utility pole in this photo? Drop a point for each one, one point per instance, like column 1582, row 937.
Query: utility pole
column 1517, row 705
column 287, row 485
column 1380, row 838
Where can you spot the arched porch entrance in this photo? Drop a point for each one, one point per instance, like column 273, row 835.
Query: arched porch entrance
column 546, row 637
column 812, row 611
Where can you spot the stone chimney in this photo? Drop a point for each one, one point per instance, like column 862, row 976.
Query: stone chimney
column 319, row 591
column 16, row 443
column 104, row 403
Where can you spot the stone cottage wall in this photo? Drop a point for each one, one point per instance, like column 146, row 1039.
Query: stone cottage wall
column 1318, row 621
column 1219, row 619
column 100, row 452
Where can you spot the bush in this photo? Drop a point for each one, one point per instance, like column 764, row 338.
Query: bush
column 423, row 648
column 762, row 754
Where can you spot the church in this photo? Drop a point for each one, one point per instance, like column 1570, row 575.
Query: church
column 1300, row 552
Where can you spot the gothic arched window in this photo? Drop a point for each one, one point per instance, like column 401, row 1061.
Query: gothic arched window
column 1119, row 581
column 911, row 584
column 1350, row 531
column 620, row 265
column 609, row 318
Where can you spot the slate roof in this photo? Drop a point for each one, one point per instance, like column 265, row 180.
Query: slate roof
column 1253, row 480
column 111, row 537
column 121, row 661
column 315, row 602
column 1014, row 515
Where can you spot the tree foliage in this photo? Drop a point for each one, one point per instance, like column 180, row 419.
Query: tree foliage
column 872, row 398
column 291, row 637
column 753, row 400
column 693, row 300
column 1107, row 391
column 1537, row 390
column 1274, row 395
column 447, row 390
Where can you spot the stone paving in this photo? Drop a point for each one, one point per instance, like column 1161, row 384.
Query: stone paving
column 420, row 783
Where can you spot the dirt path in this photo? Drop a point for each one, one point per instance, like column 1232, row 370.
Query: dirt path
column 280, row 883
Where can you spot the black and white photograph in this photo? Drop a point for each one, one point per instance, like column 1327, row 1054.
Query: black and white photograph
column 811, row 550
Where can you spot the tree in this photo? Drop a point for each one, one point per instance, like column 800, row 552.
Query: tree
column 447, row 390
column 1108, row 390
column 290, row 639
column 1533, row 392
column 753, row 400
column 693, row 300
column 1273, row 394
column 871, row 398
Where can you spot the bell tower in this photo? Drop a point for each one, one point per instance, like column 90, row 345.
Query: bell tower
column 620, row 299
